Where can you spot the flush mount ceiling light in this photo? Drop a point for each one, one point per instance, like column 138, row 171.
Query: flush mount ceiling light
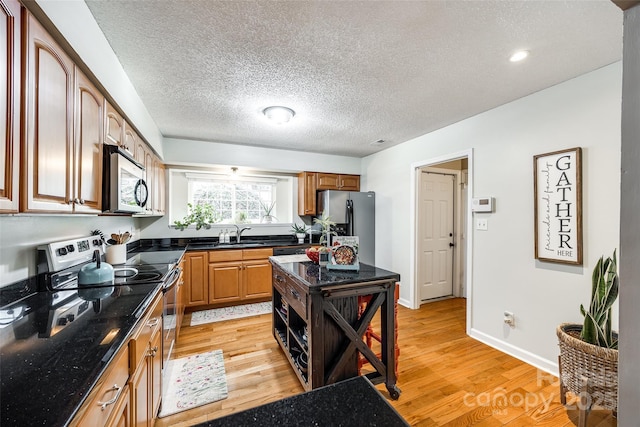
column 279, row 114
column 519, row 56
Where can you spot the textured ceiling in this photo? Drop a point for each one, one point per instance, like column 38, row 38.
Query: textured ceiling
column 355, row 72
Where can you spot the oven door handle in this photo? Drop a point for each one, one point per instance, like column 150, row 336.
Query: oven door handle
column 172, row 279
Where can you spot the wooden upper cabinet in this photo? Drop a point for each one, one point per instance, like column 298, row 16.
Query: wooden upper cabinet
column 130, row 139
column 113, row 126
column 332, row 181
column 48, row 144
column 307, row 193
column 158, row 199
column 309, row 183
column 10, row 25
column 88, row 146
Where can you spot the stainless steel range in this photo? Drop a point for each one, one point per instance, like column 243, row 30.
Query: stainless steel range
column 61, row 262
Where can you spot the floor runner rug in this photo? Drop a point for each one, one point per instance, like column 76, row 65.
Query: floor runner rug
column 228, row 313
column 193, row 381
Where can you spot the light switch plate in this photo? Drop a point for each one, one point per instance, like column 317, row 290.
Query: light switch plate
column 482, row 224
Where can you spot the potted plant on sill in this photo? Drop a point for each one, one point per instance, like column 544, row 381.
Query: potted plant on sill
column 202, row 215
column 588, row 360
column 300, row 231
column 266, row 212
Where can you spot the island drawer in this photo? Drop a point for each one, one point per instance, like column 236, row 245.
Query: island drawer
column 297, row 298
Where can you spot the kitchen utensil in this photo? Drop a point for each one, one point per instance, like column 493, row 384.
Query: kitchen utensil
column 125, row 237
column 116, row 237
column 111, row 242
column 98, row 273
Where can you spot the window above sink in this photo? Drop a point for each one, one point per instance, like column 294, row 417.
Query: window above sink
column 237, row 199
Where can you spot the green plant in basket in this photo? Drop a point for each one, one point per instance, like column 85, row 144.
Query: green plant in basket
column 202, row 215
column 596, row 328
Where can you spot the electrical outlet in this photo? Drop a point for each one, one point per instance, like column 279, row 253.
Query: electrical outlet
column 482, row 224
column 509, row 319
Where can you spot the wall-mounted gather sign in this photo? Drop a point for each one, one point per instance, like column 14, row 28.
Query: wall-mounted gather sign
column 557, row 181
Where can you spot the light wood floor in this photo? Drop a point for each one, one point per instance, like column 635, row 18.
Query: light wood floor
column 446, row 378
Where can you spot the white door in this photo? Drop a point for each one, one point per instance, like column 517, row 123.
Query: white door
column 435, row 235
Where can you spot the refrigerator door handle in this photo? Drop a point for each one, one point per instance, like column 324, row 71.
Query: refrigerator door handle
column 349, row 217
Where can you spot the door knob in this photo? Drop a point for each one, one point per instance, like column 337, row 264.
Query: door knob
column 451, row 245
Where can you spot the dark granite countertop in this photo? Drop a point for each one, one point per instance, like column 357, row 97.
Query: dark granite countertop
column 353, row 402
column 47, row 370
column 316, row 276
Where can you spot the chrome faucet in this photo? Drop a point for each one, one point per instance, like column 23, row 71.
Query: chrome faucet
column 239, row 232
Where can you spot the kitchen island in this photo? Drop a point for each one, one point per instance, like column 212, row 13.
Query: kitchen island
column 319, row 324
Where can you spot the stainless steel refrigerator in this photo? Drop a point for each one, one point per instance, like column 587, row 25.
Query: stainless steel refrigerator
column 354, row 213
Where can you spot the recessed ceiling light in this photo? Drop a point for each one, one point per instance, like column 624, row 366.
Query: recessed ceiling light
column 519, row 56
column 278, row 114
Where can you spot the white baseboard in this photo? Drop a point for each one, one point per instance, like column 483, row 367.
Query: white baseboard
column 405, row 303
column 526, row 356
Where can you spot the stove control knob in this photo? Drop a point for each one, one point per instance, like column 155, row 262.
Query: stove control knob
column 62, row 251
column 71, row 248
column 71, row 317
column 96, row 242
column 62, row 321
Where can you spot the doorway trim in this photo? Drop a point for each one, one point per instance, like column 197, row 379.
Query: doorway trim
column 416, row 168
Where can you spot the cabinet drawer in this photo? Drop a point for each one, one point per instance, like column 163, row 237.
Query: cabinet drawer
column 139, row 344
column 279, row 282
column 108, row 392
column 262, row 253
column 297, row 298
column 223, row 256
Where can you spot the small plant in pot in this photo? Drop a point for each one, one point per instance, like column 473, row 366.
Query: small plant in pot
column 266, row 212
column 202, row 215
column 588, row 360
column 300, row 230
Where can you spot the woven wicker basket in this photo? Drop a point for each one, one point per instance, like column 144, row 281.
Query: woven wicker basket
column 598, row 365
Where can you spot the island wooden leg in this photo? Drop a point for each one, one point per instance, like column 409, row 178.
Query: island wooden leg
column 388, row 341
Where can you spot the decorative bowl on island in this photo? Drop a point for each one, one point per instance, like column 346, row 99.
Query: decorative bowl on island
column 313, row 254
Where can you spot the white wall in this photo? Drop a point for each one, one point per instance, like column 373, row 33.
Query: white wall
column 629, row 374
column 21, row 234
column 216, row 155
column 581, row 112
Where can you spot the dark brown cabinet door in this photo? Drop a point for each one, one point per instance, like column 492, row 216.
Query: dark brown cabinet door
column 48, row 152
column 10, row 109
column 88, row 146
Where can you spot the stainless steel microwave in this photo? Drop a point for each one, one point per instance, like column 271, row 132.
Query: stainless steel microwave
column 125, row 190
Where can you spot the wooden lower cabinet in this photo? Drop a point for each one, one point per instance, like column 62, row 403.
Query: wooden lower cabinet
column 256, row 279
column 196, row 273
column 146, row 362
column 227, row 276
column 225, row 282
column 122, row 412
column 109, row 397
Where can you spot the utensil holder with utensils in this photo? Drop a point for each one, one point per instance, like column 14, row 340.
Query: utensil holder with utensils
column 117, row 254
